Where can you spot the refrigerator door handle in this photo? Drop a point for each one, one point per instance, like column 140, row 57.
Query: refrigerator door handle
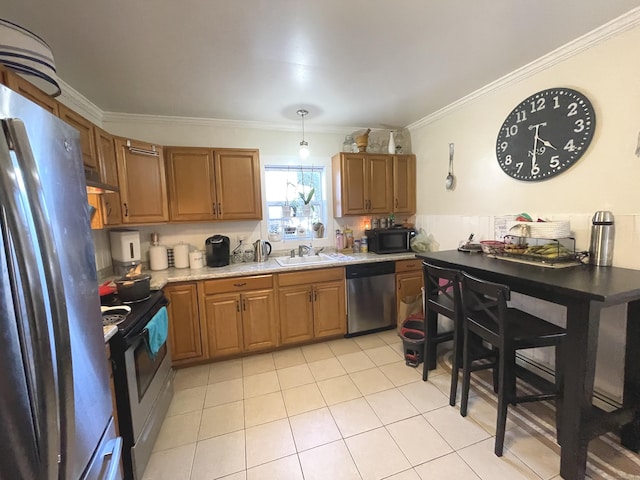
column 41, row 288
column 115, row 452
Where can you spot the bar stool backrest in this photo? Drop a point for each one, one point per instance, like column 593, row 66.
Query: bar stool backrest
column 485, row 306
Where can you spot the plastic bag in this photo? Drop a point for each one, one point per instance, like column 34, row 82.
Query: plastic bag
column 408, row 306
column 422, row 242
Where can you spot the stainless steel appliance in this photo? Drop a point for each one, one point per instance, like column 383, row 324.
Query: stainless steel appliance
column 217, row 251
column 371, row 297
column 261, row 251
column 143, row 381
column 390, row 240
column 55, row 406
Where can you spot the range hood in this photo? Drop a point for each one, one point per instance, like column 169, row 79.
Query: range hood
column 95, row 185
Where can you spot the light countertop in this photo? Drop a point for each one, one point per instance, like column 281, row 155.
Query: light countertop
column 160, row 278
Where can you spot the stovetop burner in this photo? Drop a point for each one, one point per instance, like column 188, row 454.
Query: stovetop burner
column 114, row 315
column 139, row 311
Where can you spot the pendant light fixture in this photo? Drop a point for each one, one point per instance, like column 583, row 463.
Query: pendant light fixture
column 304, row 146
column 27, row 54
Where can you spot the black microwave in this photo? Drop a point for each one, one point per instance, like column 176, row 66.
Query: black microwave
column 390, row 240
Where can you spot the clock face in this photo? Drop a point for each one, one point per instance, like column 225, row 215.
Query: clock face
column 545, row 134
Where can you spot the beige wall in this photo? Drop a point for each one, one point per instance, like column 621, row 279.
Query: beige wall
column 605, row 178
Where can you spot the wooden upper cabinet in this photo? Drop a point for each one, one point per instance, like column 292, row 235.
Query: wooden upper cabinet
column 238, row 184
column 87, row 136
column 379, row 184
column 404, row 184
column 106, row 151
column 190, row 182
column 142, row 182
column 206, row 184
column 362, row 184
column 27, row 89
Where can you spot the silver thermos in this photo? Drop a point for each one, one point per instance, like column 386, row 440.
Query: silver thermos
column 602, row 236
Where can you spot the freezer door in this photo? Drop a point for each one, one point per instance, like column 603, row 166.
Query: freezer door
column 44, row 214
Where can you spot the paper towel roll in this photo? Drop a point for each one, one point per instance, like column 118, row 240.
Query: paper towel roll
column 158, row 259
column 181, row 255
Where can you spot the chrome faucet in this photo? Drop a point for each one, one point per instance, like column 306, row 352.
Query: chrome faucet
column 302, row 249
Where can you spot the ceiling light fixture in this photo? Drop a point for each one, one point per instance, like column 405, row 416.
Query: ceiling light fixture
column 27, row 54
column 304, row 146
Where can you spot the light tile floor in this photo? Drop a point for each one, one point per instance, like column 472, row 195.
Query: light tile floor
column 344, row 409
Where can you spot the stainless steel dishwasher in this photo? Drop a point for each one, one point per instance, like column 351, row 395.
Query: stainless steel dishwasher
column 371, row 297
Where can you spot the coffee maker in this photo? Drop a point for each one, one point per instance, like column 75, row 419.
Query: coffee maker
column 217, row 251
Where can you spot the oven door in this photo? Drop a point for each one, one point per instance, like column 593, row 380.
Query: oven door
column 146, row 376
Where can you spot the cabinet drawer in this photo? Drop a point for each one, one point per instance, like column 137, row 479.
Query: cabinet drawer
column 310, row 276
column 238, row 284
column 408, row 265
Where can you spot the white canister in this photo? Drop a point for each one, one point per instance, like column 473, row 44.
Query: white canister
column 158, row 259
column 181, row 255
column 196, row 260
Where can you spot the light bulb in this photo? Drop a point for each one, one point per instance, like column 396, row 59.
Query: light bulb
column 304, row 150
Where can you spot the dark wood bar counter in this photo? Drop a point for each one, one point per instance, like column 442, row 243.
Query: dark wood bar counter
column 584, row 290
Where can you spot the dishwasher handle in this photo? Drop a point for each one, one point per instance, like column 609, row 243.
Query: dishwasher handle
column 373, row 269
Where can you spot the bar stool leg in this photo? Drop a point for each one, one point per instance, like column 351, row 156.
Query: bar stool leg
column 466, row 374
column 504, row 385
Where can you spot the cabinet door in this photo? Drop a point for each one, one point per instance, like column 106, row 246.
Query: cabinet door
column 407, row 285
column 379, row 184
column 184, row 322
column 190, row 177
column 106, row 151
column 239, row 195
column 224, row 324
column 87, row 137
column 296, row 314
column 354, row 190
column 28, row 90
column 141, row 178
column 259, row 325
column 404, row 184
column 329, row 309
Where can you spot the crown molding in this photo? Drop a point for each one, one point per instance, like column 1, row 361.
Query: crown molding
column 599, row 35
column 115, row 117
column 79, row 103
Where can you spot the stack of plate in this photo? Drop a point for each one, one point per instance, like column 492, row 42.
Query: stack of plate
column 551, row 230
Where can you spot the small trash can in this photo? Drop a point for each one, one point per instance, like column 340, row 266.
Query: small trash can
column 412, row 334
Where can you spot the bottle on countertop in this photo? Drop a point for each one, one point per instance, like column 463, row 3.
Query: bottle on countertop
column 348, row 234
column 364, row 245
column 339, row 240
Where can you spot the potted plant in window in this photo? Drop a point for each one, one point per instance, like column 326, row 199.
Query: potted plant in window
column 306, row 200
column 288, row 210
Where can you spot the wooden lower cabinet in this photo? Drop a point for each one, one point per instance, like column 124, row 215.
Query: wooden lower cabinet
column 185, row 340
column 408, row 279
column 224, row 324
column 240, row 315
column 312, row 305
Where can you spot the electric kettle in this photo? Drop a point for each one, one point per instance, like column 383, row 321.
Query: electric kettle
column 261, row 251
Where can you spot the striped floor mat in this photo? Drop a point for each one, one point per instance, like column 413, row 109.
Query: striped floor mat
column 607, row 458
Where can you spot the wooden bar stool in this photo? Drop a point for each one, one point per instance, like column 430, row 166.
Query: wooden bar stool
column 442, row 296
column 508, row 329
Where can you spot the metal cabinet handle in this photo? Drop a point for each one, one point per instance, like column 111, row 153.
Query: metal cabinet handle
column 237, row 305
column 126, row 210
column 244, row 304
column 240, row 284
column 219, row 209
column 215, row 212
column 396, row 203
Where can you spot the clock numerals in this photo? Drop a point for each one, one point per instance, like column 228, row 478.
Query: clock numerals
column 545, row 134
column 538, row 104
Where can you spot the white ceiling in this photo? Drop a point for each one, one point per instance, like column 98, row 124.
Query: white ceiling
column 372, row 63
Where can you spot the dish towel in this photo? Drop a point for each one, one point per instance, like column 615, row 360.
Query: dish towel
column 158, row 328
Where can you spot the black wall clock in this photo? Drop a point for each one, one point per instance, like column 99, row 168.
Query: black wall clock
column 545, row 134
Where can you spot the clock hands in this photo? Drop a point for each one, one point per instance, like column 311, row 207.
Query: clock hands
column 534, row 153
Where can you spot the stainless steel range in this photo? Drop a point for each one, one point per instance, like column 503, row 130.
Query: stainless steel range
column 143, row 382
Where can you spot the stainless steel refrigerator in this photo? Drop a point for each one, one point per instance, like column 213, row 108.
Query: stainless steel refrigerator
column 55, row 402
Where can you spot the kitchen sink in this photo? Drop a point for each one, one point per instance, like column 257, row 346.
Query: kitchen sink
column 306, row 260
